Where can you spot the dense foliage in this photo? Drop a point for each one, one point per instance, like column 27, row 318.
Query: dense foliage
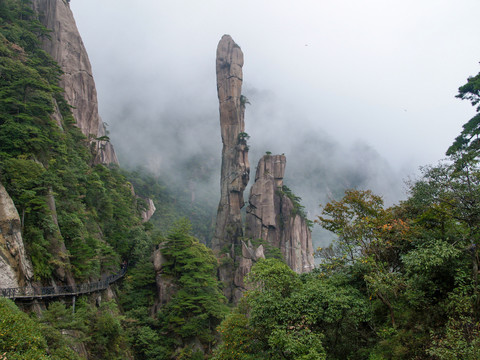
column 79, row 220
column 55, row 335
column 20, row 337
column 398, row 283
column 183, row 327
column 75, row 216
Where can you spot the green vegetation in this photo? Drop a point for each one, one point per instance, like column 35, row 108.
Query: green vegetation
column 77, row 218
column 43, row 163
column 175, row 199
column 195, row 303
column 398, row 283
column 298, row 208
column 243, row 136
column 58, row 332
column 269, row 250
column 20, row 337
column 244, row 100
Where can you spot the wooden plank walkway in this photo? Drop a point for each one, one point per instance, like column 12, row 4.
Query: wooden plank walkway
column 36, row 292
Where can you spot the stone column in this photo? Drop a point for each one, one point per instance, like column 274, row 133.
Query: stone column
column 235, row 166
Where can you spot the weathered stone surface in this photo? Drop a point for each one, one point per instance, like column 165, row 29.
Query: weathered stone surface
column 270, row 214
column 57, row 247
column 15, row 268
column 271, row 217
column 67, row 48
column 249, row 252
column 148, row 213
column 250, row 255
column 296, row 239
column 263, row 200
column 235, row 170
column 77, row 346
column 166, row 288
column 244, row 266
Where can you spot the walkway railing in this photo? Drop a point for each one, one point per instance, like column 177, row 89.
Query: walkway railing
column 35, row 292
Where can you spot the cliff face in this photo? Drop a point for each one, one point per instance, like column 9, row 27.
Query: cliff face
column 15, row 268
column 66, row 47
column 235, row 166
column 271, row 216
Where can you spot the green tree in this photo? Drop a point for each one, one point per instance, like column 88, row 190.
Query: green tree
column 195, row 307
column 20, row 337
column 467, row 142
column 198, row 306
column 288, row 316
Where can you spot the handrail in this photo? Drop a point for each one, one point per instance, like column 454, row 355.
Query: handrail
column 32, row 292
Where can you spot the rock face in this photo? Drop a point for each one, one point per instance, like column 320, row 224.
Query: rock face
column 66, row 47
column 149, row 211
column 15, row 269
column 58, row 248
column 271, row 216
column 166, row 288
column 235, row 166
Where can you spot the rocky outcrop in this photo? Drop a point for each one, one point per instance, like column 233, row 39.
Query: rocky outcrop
column 57, row 246
column 166, row 287
column 148, row 207
column 250, row 255
column 235, row 166
column 273, row 217
column 15, row 268
column 149, row 210
column 67, row 48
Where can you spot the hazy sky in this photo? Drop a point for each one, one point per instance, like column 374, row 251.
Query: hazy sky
column 381, row 72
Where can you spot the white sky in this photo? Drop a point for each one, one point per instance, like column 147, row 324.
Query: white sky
column 381, row 71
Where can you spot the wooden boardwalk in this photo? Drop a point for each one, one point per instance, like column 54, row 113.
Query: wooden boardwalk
column 36, row 292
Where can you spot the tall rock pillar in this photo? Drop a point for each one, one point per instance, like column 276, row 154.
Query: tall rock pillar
column 235, row 166
column 66, row 47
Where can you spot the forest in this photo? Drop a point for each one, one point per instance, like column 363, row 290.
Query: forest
column 398, row 282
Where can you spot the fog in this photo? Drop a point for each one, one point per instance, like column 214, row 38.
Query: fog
column 355, row 93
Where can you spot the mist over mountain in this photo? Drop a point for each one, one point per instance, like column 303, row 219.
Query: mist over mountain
column 383, row 74
column 352, row 94
column 179, row 141
column 156, row 250
column 165, row 139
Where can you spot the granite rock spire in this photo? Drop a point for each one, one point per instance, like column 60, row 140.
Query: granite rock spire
column 235, row 169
